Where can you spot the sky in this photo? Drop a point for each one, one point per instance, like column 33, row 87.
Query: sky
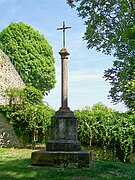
column 86, row 85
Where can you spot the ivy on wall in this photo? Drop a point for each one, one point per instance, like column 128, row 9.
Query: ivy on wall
column 28, row 115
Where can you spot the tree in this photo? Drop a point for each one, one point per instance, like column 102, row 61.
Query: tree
column 31, row 53
column 101, row 107
column 110, row 29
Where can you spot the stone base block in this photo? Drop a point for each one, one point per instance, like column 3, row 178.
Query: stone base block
column 61, row 158
column 68, row 145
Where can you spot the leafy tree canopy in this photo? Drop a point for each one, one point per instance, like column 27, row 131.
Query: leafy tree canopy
column 32, row 54
column 101, row 107
column 110, row 28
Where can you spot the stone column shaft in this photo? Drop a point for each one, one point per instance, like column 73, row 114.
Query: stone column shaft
column 64, row 83
column 64, row 78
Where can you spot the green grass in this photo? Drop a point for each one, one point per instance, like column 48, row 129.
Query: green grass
column 15, row 164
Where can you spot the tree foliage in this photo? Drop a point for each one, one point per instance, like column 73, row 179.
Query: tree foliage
column 112, row 131
column 110, row 28
column 101, row 107
column 32, row 54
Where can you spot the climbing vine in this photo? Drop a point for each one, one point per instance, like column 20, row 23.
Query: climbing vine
column 27, row 114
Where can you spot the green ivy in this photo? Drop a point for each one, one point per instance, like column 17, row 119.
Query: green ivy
column 27, row 114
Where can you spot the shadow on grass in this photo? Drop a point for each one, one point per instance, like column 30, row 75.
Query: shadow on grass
column 22, row 169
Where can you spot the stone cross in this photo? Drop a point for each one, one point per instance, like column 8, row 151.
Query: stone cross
column 63, row 28
column 63, row 148
column 64, row 71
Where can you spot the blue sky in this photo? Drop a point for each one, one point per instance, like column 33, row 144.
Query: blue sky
column 86, row 67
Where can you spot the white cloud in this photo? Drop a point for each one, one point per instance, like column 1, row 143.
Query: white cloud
column 82, row 76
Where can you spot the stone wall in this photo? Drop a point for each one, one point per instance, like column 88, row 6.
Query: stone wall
column 9, row 77
column 8, row 137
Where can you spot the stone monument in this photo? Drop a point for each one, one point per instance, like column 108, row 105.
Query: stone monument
column 64, row 148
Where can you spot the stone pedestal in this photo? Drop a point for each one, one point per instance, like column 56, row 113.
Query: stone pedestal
column 62, row 158
column 64, row 132
column 63, row 149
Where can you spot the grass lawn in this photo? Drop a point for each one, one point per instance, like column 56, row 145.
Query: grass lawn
column 15, row 164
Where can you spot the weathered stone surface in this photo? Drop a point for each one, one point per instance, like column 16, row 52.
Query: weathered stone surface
column 64, row 77
column 61, row 158
column 63, row 145
column 9, row 77
column 64, row 132
column 8, row 137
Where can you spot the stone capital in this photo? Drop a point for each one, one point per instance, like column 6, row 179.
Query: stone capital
column 63, row 52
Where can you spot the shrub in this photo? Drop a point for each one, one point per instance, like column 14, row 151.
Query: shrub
column 108, row 129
